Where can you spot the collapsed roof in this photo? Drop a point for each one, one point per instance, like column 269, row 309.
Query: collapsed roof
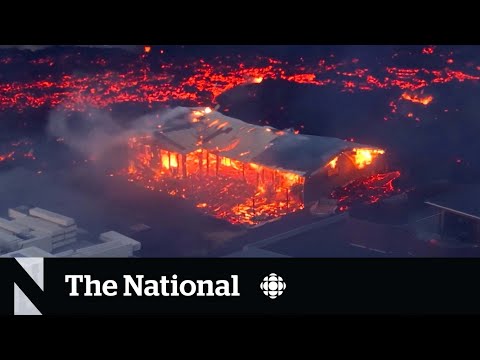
column 186, row 130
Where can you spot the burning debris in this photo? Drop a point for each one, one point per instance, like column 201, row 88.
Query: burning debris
column 7, row 156
column 366, row 190
column 240, row 172
column 17, row 150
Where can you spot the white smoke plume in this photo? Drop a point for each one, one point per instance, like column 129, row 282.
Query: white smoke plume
column 94, row 132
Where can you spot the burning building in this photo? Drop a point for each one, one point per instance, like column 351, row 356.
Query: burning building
column 241, row 172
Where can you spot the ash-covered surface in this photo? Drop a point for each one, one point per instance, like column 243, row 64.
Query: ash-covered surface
column 417, row 102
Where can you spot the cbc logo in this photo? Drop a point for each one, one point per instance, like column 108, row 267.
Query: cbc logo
column 273, row 286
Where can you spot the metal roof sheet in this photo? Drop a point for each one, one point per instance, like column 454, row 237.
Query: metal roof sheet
column 194, row 128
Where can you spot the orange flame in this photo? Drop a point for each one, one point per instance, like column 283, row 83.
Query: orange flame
column 169, row 160
column 239, row 192
column 333, row 163
column 364, row 157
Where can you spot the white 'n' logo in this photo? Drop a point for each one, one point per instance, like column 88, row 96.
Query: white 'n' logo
column 22, row 304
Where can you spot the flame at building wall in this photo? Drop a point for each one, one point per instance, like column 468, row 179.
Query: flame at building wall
column 238, row 192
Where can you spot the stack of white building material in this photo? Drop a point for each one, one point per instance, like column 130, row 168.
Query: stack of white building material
column 31, row 251
column 39, row 239
column 115, row 236
column 18, row 211
column 44, row 231
column 17, row 229
column 61, row 229
column 8, row 241
column 114, row 245
column 52, row 217
column 107, row 249
column 15, row 235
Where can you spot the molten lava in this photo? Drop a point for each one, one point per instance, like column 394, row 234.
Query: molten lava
column 150, row 80
column 17, row 149
column 367, row 190
column 428, row 50
column 424, row 100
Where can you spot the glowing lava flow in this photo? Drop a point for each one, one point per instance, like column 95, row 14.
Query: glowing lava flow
column 424, row 100
column 428, row 50
column 148, row 81
column 368, row 190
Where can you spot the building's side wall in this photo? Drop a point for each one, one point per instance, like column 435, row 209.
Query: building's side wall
column 231, row 189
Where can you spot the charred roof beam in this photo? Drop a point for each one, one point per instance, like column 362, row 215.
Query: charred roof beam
column 167, row 140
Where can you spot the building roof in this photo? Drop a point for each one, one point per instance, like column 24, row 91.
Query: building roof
column 185, row 130
column 463, row 201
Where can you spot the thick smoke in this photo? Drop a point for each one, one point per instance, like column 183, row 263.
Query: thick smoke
column 93, row 132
